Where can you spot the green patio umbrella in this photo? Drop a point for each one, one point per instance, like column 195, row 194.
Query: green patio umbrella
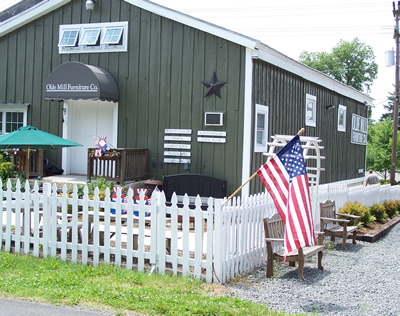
column 29, row 137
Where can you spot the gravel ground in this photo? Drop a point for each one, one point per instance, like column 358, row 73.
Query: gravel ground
column 362, row 280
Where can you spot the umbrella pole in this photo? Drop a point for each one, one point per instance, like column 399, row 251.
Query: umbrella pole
column 27, row 162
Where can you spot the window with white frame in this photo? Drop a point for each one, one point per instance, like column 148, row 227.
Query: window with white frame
column 112, row 35
column 69, row 37
column 311, row 110
column 90, row 37
column 93, row 38
column 342, row 118
column 12, row 117
column 261, row 128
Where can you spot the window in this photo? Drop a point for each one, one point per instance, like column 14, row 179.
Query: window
column 12, row 117
column 93, row 38
column 112, row 36
column 342, row 118
column 69, row 37
column 261, row 128
column 311, row 110
column 213, row 118
column 90, row 37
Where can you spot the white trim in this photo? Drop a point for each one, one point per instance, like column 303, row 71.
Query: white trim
column 102, row 47
column 112, row 28
column 262, row 109
column 97, row 29
column 195, row 23
column 247, row 115
column 14, row 108
column 65, row 152
column 29, row 15
column 341, row 127
column 221, row 118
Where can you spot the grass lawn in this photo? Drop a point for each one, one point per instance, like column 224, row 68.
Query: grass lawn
column 118, row 290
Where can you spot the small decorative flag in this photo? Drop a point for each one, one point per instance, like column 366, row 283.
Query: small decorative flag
column 285, row 178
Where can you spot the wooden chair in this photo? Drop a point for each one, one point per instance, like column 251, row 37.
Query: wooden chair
column 334, row 226
column 274, row 230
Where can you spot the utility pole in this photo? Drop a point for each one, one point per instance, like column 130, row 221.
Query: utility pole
column 396, row 96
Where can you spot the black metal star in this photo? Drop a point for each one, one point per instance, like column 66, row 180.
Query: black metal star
column 213, row 86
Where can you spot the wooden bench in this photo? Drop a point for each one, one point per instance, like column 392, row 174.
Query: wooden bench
column 193, row 185
column 135, row 232
column 274, row 230
column 333, row 226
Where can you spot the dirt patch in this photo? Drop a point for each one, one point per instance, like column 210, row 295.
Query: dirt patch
column 365, row 229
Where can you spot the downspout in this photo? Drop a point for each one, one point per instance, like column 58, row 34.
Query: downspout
column 247, row 115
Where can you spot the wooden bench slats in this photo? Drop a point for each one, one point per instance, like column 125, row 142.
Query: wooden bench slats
column 274, row 230
column 328, row 218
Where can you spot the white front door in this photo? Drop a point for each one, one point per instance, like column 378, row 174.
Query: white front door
column 84, row 122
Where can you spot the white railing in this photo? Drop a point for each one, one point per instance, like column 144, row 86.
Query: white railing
column 215, row 244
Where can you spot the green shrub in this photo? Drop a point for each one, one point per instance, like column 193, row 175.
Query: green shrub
column 6, row 169
column 390, row 208
column 398, row 206
column 356, row 208
column 378, row 211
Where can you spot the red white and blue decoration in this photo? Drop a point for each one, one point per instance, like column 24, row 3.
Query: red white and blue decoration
column 114, row 199
column 101, row 146
column 146, row 200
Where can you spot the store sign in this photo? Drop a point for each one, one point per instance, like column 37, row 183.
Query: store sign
column 67, row 87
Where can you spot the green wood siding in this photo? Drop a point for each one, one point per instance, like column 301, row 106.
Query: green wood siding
column 159, row 81
column 285, row 95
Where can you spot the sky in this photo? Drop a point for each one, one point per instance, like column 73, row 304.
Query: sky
column 293, row 26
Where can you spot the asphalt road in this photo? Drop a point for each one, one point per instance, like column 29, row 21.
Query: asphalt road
column 24, row 308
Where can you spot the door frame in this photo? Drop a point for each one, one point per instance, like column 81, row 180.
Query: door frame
column 68, row 126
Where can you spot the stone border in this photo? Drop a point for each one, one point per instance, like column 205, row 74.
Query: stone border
column 378, row 233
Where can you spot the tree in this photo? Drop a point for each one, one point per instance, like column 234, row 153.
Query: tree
column 379, row 147
column 352, row 63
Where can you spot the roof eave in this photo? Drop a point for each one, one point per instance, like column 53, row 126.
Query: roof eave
column 272, row 56
column 29, row 15
column 194, row 22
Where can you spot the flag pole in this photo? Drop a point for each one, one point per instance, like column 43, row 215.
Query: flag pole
column 254, row 174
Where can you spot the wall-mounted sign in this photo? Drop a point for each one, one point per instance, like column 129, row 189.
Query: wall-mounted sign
column 177, row 160
column 211, row 137
column 181, row 142
column 211, row 140
column 359, row 129
column 177, row 153
column 178, row 138
column 211, row 133
column 177, row 146
column 178, row 131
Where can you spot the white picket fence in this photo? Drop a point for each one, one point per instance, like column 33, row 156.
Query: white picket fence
column 215, row 245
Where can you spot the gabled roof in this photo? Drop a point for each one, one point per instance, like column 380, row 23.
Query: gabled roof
column 259, row 50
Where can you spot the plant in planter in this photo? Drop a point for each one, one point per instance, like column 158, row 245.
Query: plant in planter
column 356, row 208
column 391, row 208
column 378, row 211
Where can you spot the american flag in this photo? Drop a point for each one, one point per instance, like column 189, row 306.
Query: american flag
column 285, row 178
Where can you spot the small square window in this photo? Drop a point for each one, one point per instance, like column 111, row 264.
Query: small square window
column 311, row 110
column 90, row 37
column 112, row 35
column 69, row 37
